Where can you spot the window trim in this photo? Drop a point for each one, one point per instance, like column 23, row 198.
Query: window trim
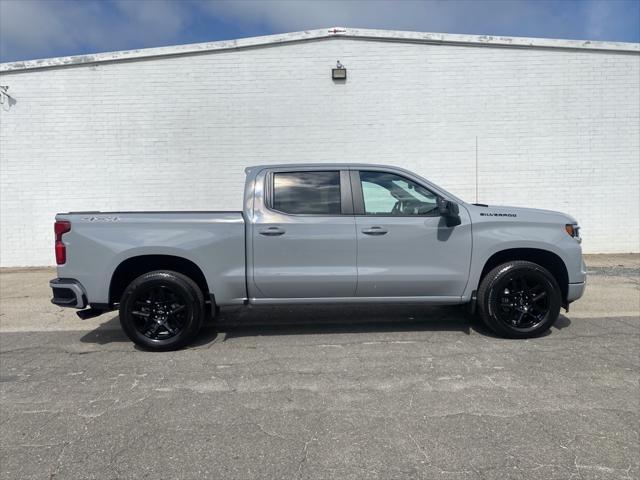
column 358, row 196
column 346, row 202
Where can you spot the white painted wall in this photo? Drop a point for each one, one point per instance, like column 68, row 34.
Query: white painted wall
column 557, row 129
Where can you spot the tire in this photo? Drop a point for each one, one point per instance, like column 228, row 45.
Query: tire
column 162, row 310
column 519, row 299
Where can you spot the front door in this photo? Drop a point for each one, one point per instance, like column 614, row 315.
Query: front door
column 405, row 248
column 304, row 240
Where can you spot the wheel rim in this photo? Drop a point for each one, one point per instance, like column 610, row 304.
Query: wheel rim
column 159, row 312
column 523, row 300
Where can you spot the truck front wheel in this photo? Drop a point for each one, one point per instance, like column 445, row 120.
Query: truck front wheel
column 519, row 299
column 162, row 310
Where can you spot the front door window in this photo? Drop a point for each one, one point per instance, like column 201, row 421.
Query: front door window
column 388, row 194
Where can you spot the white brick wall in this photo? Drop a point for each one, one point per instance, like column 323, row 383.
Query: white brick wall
column 557, row 129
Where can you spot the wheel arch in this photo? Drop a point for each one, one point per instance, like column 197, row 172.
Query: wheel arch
column 132, row 267
column 545, row 258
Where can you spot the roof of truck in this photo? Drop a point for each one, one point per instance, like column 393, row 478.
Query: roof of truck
column 321, row 165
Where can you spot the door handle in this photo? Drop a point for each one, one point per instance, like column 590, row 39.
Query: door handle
column 271, row 231
column 374, row 231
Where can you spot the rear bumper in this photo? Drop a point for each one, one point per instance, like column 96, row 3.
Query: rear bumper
column 575, row 291
column 68, row 292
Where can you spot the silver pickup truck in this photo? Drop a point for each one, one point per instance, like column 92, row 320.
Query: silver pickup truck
column 319, row 234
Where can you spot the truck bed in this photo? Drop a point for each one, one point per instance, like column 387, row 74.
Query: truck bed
column 99, row 242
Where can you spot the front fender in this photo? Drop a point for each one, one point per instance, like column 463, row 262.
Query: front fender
column 494, row 237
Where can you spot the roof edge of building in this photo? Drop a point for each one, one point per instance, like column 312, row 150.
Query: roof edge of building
column 357, row 33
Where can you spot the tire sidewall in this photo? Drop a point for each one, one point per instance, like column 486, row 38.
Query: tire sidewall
column 489, row 292
column 177, row 282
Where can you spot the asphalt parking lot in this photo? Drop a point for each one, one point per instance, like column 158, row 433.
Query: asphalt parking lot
column 339, row 392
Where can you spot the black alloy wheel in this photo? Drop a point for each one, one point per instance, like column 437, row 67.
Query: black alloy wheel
column 162, row 310
column 159, row 311
column 523, row 300
column 519, row 299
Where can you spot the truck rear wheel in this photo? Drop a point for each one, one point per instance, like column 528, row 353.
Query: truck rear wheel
column 162, row 310
column 519, row 299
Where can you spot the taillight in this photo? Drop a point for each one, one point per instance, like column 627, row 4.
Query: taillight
column 61, row 227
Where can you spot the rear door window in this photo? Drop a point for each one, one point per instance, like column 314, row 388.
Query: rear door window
column 307, row 193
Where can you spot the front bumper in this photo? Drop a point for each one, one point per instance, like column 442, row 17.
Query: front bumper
column 575, row 291
column 68, row 292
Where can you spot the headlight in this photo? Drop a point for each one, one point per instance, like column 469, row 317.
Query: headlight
column 573, row 230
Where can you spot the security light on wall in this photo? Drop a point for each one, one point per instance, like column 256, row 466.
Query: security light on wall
column 339, row 73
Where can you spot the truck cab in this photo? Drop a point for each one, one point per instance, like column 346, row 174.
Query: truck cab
column 371, row 234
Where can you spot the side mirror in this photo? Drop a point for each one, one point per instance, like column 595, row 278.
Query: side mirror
column 450, row 211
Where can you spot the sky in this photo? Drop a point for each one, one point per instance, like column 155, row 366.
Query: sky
column 52, row 28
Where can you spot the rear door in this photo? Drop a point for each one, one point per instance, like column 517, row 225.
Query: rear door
column 303, row 235
column 405, row 248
